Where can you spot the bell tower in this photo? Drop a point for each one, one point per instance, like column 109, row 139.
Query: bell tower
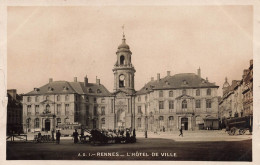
column 123, row 69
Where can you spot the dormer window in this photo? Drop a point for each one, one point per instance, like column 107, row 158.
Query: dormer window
column 208, row 92
column 65, row 88
column 90, row 90
column 99, row 91
column 36, row 89
column 184, row 82
column 50, row 89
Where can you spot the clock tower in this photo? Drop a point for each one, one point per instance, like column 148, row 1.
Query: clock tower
column 124, row 70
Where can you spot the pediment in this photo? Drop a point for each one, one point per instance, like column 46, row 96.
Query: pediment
column 185, row 97
column 120, row 94
column 47, row 102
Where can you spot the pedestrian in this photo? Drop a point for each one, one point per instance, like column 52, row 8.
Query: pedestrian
column 181, row 134
column 58, row 134
column 75, row 136
column 39, row 137
column 52, row 135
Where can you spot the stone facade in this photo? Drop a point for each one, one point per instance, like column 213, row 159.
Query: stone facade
column 166, row 104
column 14, row 112
column 237, row 99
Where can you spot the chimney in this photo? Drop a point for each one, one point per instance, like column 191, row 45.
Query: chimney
column 158, row 76
column 168, row 73
column 98, row 81
column 251, row 62
column 75, row 79
column 207, row 79
column 85, row 81
column 152, row 78
column 199, row 74
column 50, row 80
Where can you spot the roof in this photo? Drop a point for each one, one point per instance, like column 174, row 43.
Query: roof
column 65, row 87
column 177, row 81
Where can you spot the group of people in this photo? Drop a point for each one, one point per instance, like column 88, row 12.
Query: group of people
column 58, row 135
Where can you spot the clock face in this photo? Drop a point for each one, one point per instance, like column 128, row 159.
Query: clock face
column 121, row 77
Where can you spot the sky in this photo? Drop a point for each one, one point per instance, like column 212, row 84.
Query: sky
column 67, row 42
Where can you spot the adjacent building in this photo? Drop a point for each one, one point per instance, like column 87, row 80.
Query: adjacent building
column 166, row 104
column 237, row 99
column 14, row 112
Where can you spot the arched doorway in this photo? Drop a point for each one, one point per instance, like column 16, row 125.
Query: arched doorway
column 47, row 125
column 121, row 119
column 184, row 123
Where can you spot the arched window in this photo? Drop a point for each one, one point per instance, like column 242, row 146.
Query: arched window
column 170, row 93
column 197, row 92
column 28, row 99
column 208, row 91
column 47, row 97
column 184, row 104
column 122, row 60
column 184, row 92
column 37, row 123
column 47, row 110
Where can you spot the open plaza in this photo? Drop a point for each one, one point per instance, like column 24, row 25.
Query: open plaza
column 205, row 145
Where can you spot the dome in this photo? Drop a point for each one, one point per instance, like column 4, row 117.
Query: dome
column 123, row 45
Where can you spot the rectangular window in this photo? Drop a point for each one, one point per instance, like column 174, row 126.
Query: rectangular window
column 140, row 109
column 36, row 109
column 28, row 109
column 58, row 109
column 197, row 103
column 171, row 104
column 103, row 111
column 161, row 105
column 139, row 124
column 208, row 104
column 67, row 111
column 95, row 111
column 171, row 94
column 160, row 93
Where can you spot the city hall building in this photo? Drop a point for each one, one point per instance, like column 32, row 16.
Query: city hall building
column 166, row 104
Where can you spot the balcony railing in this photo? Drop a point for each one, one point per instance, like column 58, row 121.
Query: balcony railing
column 185, row 111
